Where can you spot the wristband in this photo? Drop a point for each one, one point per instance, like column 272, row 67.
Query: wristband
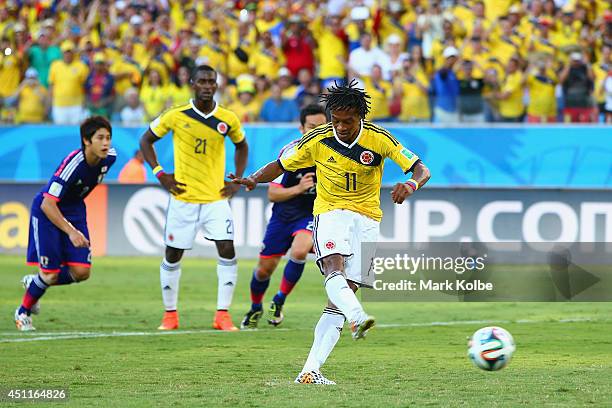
column 413, row 183
column 158, row 171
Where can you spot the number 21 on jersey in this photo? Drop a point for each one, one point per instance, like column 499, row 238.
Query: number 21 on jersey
column 200, row 146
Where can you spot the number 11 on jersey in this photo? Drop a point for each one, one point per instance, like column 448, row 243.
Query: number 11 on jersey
column 351, row 181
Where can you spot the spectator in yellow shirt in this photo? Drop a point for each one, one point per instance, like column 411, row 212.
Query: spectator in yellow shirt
column 477, row 20
column 215, row 50
column 246, row 107
column 567, row 35
column 154, row 94
column 268, row 18
column 33, row 99
column 439, row 45
column 492, row 85
column 267, row 59
column 242, row 42
column 381, row 95
column 125, row 69
column 541, row 42
column 412, row 86
column 10, row 68
column 66, row 79
column 541, row 84
column 160, row 59
column 180, row 91
column 506, row 43
column 332, row 51
column 285, row 81
column 511, row 106
column 475, row 51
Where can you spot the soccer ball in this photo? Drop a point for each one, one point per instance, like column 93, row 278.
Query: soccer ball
column 491, row 348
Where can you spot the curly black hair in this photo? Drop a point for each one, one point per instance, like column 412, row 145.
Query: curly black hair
column 347, row 97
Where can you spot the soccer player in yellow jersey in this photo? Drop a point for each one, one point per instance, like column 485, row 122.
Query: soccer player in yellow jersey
column 198, row 192
column 348, row 154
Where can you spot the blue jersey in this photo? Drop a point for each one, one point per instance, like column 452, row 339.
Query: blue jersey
column 73, row 180
column 299, row 206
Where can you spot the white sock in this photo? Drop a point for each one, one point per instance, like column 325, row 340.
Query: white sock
column 341, row 295
column 169, row 276
column 326, row 335
column 227, row 274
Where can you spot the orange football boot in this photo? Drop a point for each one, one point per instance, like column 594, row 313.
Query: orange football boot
column 170, row 321
column 223, row 321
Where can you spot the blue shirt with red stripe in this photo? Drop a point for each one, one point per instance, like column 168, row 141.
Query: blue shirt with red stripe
column 299, row 206
column 72, row 181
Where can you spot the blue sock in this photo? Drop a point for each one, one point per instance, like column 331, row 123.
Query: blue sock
column 258, row 289
column 291, row 275
column 35, row 291
column 64, row 277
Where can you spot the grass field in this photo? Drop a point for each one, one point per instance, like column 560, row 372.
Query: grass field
column 98, row 338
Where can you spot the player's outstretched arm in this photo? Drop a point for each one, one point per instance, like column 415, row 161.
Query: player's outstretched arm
column 266, row 174
column 420, row 176
column 53, row 213
column 167, row 180
column 278, row 194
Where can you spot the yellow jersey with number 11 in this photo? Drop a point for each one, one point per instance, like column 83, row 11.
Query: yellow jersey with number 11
column 349, row 177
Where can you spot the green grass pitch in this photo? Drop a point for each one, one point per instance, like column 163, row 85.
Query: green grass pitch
column 99, row 339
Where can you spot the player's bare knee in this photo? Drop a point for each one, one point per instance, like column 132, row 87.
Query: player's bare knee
column 80, row 273
column 263, row 274
column 173, row 255
column 49, row 278
column 265, row 270
column 299, row 252
column 266, row 267
column 225, row 249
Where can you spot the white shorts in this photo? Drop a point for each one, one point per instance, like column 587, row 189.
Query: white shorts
column 183, row 220
column 342, row 232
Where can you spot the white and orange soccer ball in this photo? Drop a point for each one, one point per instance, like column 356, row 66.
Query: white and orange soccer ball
column 491, row 348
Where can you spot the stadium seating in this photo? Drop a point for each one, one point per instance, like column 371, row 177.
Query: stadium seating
column 420, row 61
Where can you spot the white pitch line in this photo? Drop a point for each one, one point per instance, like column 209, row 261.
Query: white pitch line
column 42, row 336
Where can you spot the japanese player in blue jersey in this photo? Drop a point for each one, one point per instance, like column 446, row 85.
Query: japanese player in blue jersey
column 293, row 195
column 59, row 239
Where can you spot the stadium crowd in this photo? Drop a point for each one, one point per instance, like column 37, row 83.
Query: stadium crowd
column 420, row 61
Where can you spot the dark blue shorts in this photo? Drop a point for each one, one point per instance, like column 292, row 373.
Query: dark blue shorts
column 49, row 247
column 279, row 235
